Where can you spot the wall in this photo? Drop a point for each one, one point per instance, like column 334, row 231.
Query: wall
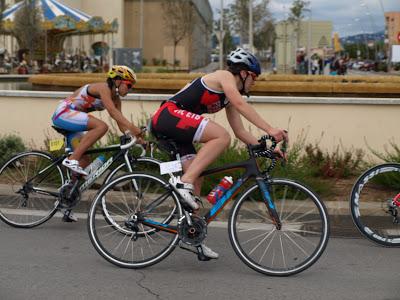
column 346, row 121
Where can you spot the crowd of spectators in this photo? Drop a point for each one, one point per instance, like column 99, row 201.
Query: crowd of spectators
column 61, row 62
column 336, row 65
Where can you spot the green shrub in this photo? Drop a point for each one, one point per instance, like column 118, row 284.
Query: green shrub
column 338, row 164
column 388, row 155
column 164, row 70
column 156, row 61
column 299, row 168
column 310, row 165
column 235, row 153
column 10, row 145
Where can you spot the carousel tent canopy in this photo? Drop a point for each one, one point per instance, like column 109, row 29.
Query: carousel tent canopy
column 50, row 9
column 60, row 17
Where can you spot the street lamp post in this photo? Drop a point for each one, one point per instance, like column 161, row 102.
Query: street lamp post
column 309, row 39
column 141, row 26
column 221, row 37
column 251, row 46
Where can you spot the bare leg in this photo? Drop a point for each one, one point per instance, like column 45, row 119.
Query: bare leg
column 216, row 139
column 198, row 182
column 96, row 129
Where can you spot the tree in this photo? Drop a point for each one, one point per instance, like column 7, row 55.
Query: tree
column 228, row 45
column 2, row 9
column 263, row 32
column 27, row 27
column 178, row 19
column 265, row 36
column 297, row 15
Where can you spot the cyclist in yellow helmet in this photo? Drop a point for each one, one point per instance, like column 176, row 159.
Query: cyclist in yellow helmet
column 72, row 114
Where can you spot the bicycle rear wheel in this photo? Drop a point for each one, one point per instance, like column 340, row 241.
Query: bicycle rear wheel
column 112, row 215
column 25, row 193
column 289, row 250
column 371, row 204
column 139, row 165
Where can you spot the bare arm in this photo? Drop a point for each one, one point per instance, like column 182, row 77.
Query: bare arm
column 115, row 111
column 236, row 123
column 229, row 87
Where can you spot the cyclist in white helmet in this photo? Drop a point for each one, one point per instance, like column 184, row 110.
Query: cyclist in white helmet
column 180, row 119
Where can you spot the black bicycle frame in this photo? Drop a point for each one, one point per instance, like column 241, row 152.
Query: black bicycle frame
column 91, row 177
column 252, row 171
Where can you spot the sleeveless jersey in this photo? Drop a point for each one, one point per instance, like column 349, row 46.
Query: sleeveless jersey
column 84, row 102
column 200, row 99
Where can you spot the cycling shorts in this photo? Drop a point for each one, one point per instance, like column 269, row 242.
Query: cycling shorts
column 184, row 127
column 71, row 120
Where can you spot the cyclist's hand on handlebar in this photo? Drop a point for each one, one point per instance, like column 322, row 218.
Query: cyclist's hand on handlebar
column 279, row 134
column 140, row 140
column 279, row 153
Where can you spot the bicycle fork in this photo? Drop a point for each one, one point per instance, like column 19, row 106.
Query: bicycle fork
column 265, row 191
column 393, row 205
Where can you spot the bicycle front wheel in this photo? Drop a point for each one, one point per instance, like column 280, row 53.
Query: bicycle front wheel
column 28, row 188
column 115, row 226
column 372, row 204
column 279, row 252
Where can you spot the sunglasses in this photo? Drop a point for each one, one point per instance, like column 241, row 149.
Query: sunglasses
column 128, row 84
column 253, row 75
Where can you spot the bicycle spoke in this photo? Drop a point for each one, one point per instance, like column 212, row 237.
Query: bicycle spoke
column 138, row 245
column 371, row 203
column 284, row 250
column 34, row 203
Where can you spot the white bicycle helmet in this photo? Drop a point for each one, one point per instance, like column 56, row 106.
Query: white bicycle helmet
column 242, row 56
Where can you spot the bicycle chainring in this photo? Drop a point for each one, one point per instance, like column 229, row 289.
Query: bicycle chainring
column 68, row 199
column 192, row 234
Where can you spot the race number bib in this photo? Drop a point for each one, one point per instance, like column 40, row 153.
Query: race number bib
column 170, row 167
column 57, row 144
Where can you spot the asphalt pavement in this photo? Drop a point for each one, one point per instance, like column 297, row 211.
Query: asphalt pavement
column 57, row 261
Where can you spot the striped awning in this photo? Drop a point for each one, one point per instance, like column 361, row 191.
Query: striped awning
column 50, row 9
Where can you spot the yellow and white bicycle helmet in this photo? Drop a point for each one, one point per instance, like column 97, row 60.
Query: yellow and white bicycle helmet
column 123, row 72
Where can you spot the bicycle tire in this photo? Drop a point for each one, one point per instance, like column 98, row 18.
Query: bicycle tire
column 305, row 228
column 119, row 200
column 138, row 165
column 37, row 208
column 369, row 204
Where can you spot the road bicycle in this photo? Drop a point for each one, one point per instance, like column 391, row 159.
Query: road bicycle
column 34, row 185
column 375, row 204
column 276, row 226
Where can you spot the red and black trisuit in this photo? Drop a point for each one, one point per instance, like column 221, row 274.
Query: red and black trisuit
column 180, row 118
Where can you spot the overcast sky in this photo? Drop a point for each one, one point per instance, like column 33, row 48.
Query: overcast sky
column 348, row 16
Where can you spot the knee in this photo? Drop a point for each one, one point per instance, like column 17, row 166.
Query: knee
column 103, row 128
column 225, row 138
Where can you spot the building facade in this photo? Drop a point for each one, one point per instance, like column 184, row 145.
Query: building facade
column 194, row 51
column 313, row 35
column 393, row 27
